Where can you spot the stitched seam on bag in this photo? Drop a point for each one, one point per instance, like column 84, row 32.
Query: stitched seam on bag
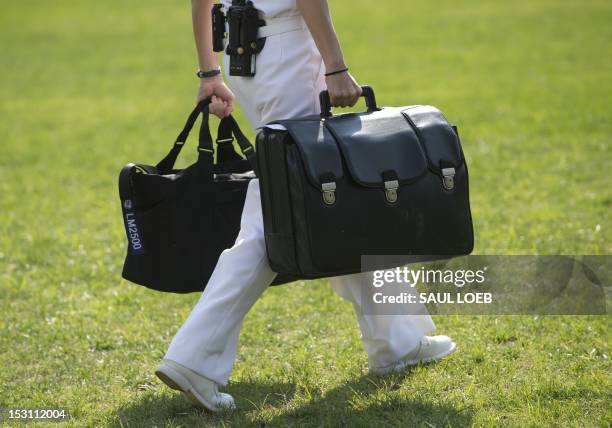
column 467, row 196
column 306, row 219
column 291, row 217
column 301, row 192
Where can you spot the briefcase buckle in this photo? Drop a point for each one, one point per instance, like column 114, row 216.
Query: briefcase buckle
column 329, row 192
column 391, row 190
column 448, row 178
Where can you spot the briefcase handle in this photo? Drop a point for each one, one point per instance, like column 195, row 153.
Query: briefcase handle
column 205, row 143
column 366, row 91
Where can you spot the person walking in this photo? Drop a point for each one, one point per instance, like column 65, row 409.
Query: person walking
column 301, row 57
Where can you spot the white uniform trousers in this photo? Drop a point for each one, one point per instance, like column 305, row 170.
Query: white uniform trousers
column 288, row 80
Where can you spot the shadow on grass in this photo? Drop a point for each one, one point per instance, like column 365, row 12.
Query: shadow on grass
column 364, row 401
column 370, row 401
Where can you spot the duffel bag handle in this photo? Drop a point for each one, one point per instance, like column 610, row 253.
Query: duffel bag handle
column 366, row 91
column 167, row 163
column 205, row 143
column 205, row 146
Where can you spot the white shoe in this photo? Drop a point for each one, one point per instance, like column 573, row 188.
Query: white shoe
column 201, row 391
column 430, row 348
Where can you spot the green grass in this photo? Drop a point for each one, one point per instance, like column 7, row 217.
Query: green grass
column 87, row 86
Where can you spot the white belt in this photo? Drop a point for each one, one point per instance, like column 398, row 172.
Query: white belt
column 281, row 25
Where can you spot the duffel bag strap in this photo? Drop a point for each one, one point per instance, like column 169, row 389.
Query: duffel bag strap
column 126, row 194
column 227, row 127
column 167, row 163
column 205, row 143
column 243, row 142
column 125, row 179
column 225, row 149
column 205, row 146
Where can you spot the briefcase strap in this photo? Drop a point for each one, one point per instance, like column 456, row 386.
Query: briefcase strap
column 227, row 127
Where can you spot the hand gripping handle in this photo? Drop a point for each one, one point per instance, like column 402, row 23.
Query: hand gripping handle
column 366, row 91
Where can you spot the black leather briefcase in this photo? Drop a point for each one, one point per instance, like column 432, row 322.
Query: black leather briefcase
column 391, row 180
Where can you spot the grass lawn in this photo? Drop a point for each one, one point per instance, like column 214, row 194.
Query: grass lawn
column 88, row 86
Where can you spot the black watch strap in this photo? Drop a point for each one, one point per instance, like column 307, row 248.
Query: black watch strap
column 208, row 73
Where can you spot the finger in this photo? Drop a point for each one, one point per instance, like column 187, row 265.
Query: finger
column 216, row 109
column 228, row 94
column 219, row 107
column 222, row 109
column 213, row 111
column 346, row 99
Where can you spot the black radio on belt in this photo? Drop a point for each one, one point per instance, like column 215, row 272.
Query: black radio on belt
column 243, row 45
column 218, row 26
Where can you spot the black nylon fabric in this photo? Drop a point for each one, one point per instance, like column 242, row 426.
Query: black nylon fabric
column 410, row 148
column 179, row 221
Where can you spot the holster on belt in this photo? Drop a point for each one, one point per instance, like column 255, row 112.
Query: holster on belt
column 243, row 44
column 218, row 26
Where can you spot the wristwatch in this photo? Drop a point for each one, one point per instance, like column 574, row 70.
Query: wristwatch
column 208, row 73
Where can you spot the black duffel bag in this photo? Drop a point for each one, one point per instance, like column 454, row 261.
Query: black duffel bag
column 179, row 221
column 390, row 181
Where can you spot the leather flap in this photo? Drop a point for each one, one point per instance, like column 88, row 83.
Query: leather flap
column 436, row 135
column 404, row 141
column 376, row 143
column 317, row 146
